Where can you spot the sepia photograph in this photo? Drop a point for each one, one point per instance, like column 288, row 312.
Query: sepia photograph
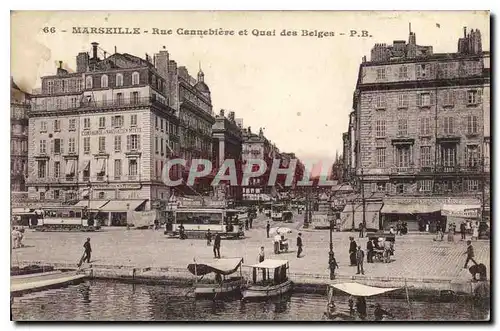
column 250, row 166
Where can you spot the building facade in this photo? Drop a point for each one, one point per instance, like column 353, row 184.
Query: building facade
column 227, row 141
column 420, row 125
column 106, row 131
column 19, row 107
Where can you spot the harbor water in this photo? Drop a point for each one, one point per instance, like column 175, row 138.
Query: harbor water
column 98, row 300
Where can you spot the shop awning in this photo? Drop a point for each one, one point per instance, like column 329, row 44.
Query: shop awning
column 464, row 211
column 122, row 205
column 70, row 168
column 372, row 211
column 94, row 204
column 390, row 208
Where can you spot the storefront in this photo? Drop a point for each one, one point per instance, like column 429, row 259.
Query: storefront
column 352, row 216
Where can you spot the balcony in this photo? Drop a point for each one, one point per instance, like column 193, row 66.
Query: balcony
column 101, row 104
column 448, row 169
column 403, row 170
column 133, row 177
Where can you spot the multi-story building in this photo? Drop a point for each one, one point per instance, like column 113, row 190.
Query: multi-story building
column 105, row 132
column 19, row 106
column 227, row 139
column 421, row 134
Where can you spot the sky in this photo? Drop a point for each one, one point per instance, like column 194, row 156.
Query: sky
column 298, row 88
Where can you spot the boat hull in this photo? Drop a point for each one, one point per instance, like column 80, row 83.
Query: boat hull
column 263, row 292
column 217, row 290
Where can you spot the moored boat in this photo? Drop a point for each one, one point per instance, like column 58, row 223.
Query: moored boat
column 269, row 285
column 221, row 285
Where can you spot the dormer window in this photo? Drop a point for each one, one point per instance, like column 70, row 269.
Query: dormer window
column 104, row 81
column 88, row 82
column 135, row 78
column 119, row 80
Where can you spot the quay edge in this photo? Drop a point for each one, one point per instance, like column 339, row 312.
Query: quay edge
column 418, row 287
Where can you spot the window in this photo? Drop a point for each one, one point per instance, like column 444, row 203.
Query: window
column 132, row 167
column 156, row 122
column 56, row 194
column 134, row 96
column 119, row 80
column 448, row 125
column 133, row 142
column 380, row 102
column 118, row 143
column 42, row 195
column 57, row 146
column 472, row 156
column 403, row 156
column 423, row 99
column 59, row 104
column 403, row 72
column 472, row 97
column 118, row 169
column 50, row 87
column 425, row 126
column 88, row 82
column 135, row 78
column 380, row 73
column 42, row 168
column 119, row 98
column 102, row 122
column 86, row 145
column 400, row 189
column 403, row 101
column 380, row 129
column 86, row 123
column 423, row 70
column 101, row 195
column 472, row 125
column 161, row 146
column 104, row 81
column 402, row 127
column 74, row 102
column 448, row 98
column 102, row 144
column 117, row 121
column 57, row 125
column 104, row 99
column 161, row 124
column 448, row 155
column 380, row 187
column 71, row 146
column 43, row 146
column 425, row 156
column 57, row 169
column 133, row 120
column 425, row 185
column 43, row 126
column 381, row 157
column 156, row 145
column 72, row 124
column 472, row 185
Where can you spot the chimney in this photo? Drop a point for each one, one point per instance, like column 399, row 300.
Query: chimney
column 60, row 64
column 60, row 70
column 364, row 59
column 231, row 116
column 82, row 62
column 249, row 129
column 94, row 50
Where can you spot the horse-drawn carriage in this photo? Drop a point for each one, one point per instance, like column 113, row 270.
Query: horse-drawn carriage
column 383, row 246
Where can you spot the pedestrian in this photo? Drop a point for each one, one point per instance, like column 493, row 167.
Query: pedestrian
column 475, row 231
column 246, row 223
column 332, row 263
column 262, row 256
column 360, row 227
column 217, row 246
column 277, row 239
column 87, row 253
column 369, row 251
column 209, row 238
column 379, row 313
column 392, row 231
column 398, row 227
column 360, row 255
column 299, row 244
column 451, row 232
column 155, row 225
column 15, row 238
column 352, row 251
column 462, row 230
column 470, row 254
column 268, row 228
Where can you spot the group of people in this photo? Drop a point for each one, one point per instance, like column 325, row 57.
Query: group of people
column 464, row 227
column 17, row 237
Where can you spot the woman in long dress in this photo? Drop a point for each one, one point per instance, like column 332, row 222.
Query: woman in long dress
column 475, row 231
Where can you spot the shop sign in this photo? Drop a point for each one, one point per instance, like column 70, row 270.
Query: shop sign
column 116, row 186
column 432, row 201
column 101, row 132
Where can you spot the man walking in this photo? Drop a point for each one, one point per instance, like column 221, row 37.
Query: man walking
column 299, row 245
column 369, row 251
column 470, row 254
column 352, row 251
column 332, row 265
column 268, row 228
column 262, row 256
column 87, row 253
column 209, row 238
column 462, row 230
column 217, row 246
column 360, row 230
column 360, row 255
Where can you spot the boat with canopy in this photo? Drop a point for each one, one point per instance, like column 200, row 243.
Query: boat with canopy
column 268, row 284
column 221, row 284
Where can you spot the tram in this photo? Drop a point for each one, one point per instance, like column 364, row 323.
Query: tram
column 67, row 218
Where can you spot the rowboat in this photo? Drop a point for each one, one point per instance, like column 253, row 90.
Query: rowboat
column 42, row 281
column 221, row 285
column 269, row 285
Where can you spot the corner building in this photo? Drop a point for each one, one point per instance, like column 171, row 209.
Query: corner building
column 419, row 137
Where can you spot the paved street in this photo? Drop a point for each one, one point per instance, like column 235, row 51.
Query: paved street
column 416, row 256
